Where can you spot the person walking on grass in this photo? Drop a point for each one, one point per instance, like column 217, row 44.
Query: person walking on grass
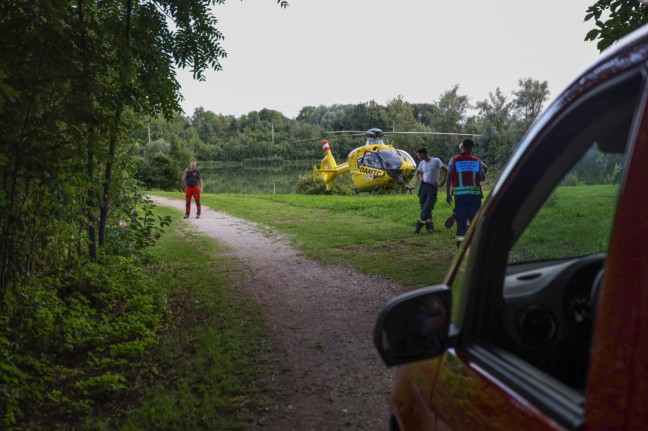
column 428, row 174
column 465, row 176
column 193, row 188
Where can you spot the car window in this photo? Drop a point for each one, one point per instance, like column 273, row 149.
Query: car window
column 577, row 217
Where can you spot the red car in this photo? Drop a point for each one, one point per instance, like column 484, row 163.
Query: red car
column 542, row 320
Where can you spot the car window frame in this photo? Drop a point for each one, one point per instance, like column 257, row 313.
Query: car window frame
column 484, row 263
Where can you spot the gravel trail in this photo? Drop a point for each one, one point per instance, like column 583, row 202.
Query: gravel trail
column 326, row 374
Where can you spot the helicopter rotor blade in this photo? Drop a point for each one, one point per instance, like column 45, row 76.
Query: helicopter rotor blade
column 349, row 132
column 430, row 133
column 305, row 140
column 374, row 133
column 329, row 135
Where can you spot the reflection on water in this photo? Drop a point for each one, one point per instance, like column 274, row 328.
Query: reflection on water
column 254, row 179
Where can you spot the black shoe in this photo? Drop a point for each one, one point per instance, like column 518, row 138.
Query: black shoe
column 419, row 225
column 429, row 226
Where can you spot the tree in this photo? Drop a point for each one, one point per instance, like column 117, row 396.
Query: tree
column 494, row 116
column 364, row 116
column 614, row 19
column 401, row 115
column 70, row 75
column 425, row 113
column 529, row 100
column 448, row 117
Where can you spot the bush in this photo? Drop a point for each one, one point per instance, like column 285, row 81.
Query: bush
column 69, row 342
column 138, row 230
column 306, row 186
column 160, row 171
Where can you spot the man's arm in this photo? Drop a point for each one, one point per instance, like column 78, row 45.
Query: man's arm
column 444, row 169
column 448, row 183
column 484, row 169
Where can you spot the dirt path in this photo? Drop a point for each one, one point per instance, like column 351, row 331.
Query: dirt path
column 326, row 373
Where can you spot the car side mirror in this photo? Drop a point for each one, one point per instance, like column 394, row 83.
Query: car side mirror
column 413, row 326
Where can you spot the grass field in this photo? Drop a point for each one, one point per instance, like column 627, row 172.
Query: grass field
column 575, row 221
column 373, row 234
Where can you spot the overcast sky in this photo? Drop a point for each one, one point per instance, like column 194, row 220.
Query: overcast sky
column 325, row 52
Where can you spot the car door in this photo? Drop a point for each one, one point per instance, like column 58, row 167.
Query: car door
column 525, row 287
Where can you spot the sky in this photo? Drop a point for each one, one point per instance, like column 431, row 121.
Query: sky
column 326, row 52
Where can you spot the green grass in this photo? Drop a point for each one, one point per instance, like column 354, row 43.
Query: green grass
column 202, row 374
column 373, row 234
column 575, row 221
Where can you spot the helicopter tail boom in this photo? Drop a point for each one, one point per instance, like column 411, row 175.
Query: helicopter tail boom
column 329, row 169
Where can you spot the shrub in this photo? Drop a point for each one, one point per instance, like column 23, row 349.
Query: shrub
column 138, row 230
column 306, row 186
column 159, row 171
column 71, row 341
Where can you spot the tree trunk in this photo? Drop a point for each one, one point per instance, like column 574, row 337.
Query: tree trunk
column 92, row 239
column 105, row 203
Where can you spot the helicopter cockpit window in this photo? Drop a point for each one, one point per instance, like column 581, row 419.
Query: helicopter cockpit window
column 385, row 159
column 392, row 159
column 372, row 160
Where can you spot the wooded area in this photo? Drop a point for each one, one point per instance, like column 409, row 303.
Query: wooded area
column 76, row 309
column 501, row 120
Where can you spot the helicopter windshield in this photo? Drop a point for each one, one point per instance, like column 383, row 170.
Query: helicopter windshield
column 371, row 141
column 383, row 159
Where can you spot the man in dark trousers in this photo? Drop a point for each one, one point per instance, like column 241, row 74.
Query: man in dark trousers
column 465, row 175
column 428, row 174
column 193, row 187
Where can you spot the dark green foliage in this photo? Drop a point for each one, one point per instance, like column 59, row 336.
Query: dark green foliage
column 69, row 342
column 614, row 19
column 160, row 171
column 76, row 312
column 137, row 231
column 306, row 186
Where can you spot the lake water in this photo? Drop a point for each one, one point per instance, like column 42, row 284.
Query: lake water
column 254, row 179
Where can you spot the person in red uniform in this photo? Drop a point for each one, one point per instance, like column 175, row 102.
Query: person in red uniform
column 193, row 187
column 465, row 175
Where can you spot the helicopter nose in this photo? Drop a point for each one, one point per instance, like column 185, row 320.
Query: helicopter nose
column 396, row 174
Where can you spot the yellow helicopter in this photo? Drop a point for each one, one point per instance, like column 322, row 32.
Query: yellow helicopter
column 375, row 167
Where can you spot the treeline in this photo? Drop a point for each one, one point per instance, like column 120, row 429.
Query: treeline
column 501, row 120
